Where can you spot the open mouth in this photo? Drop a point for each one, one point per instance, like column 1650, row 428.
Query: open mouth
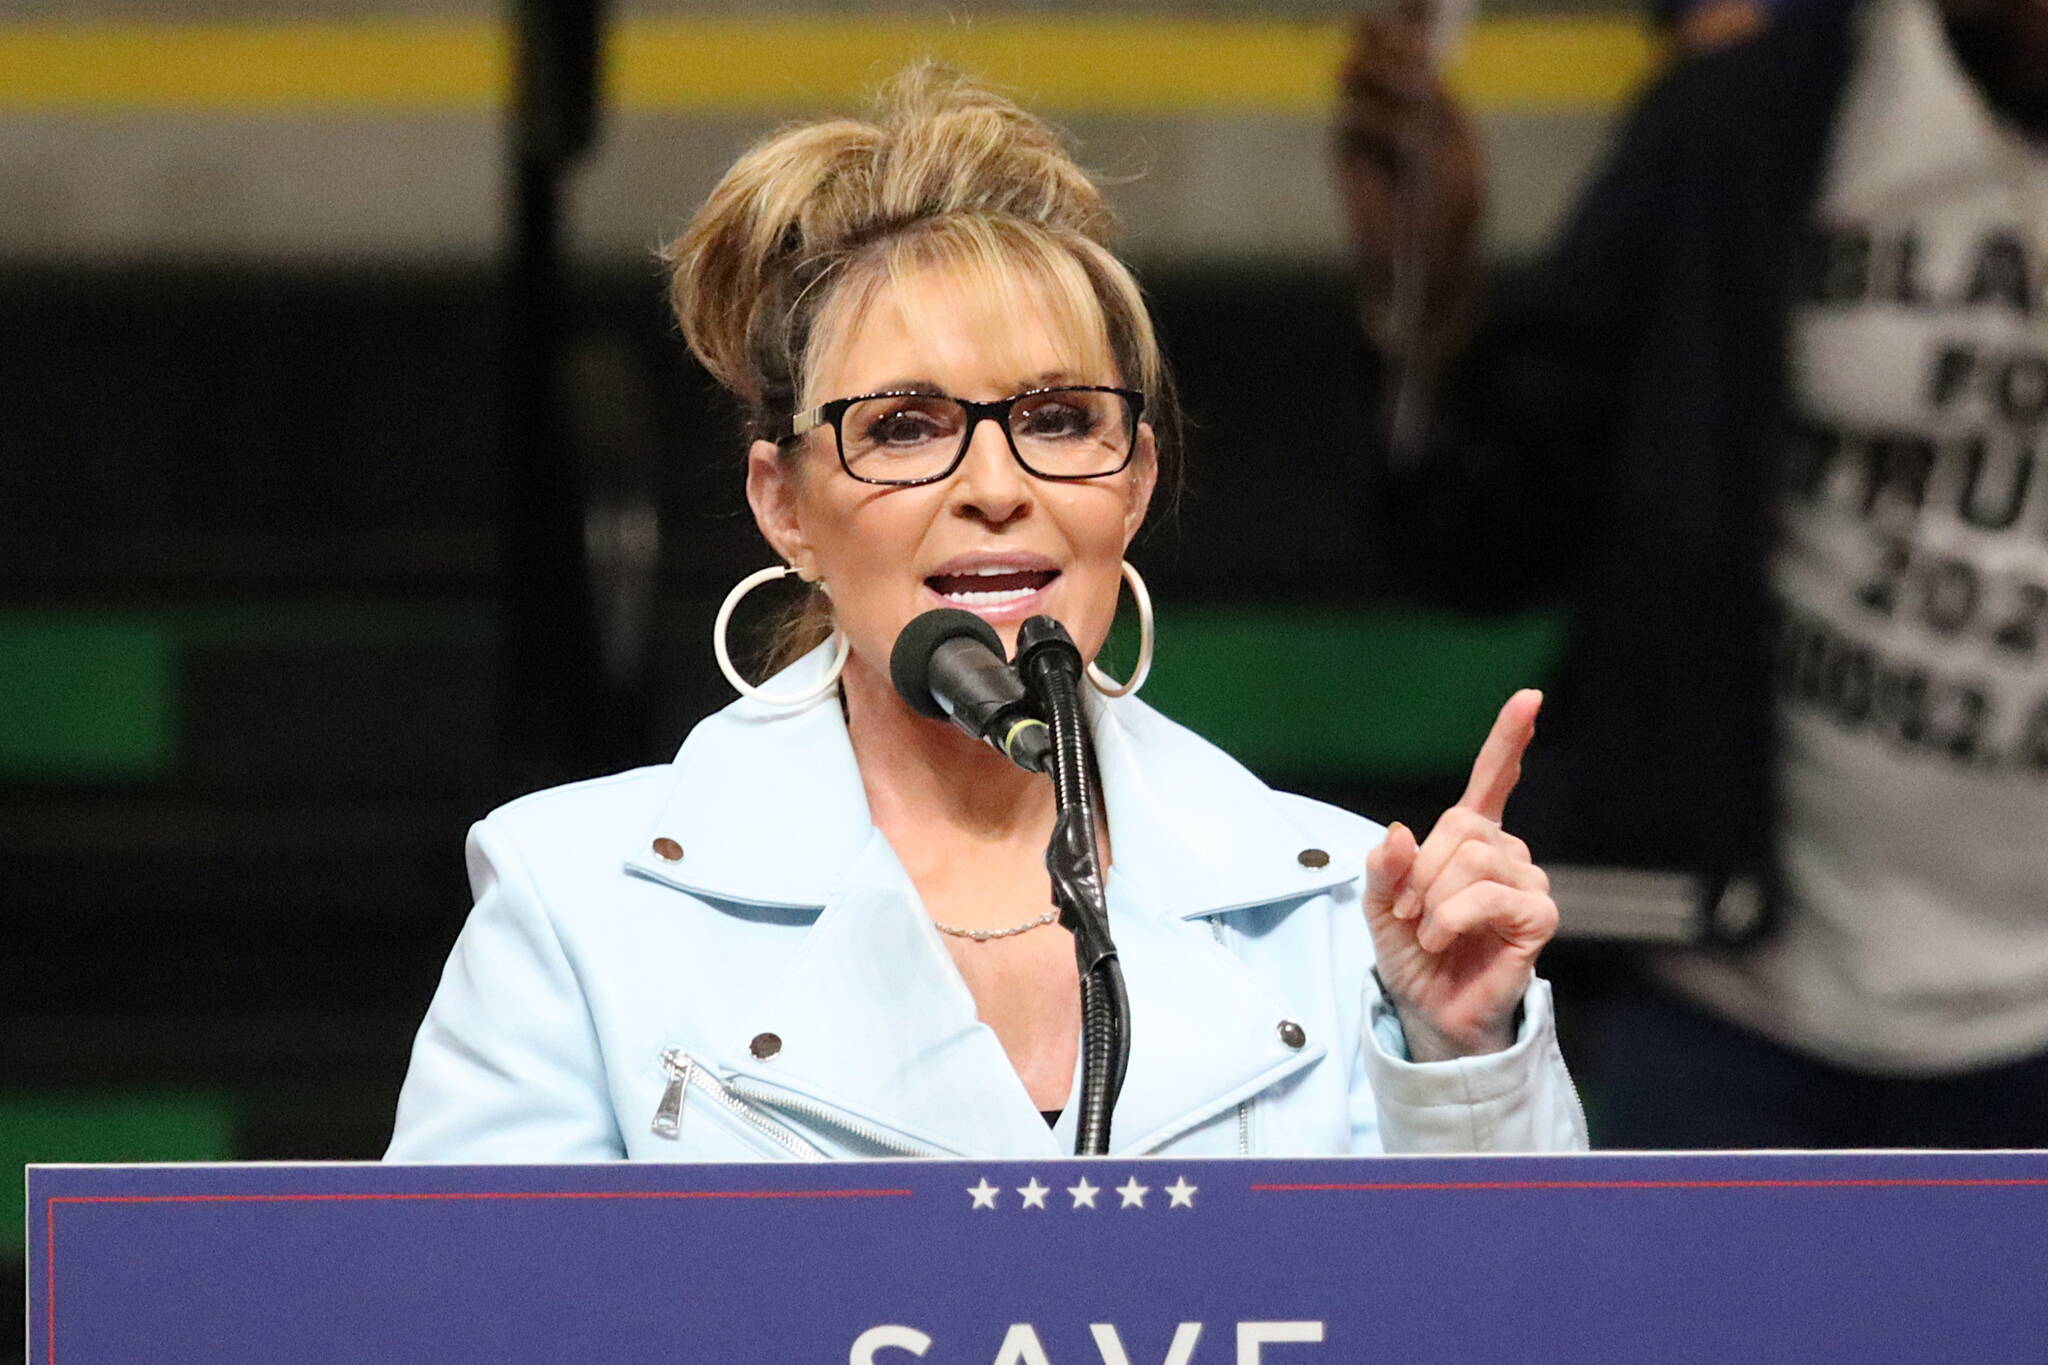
column 990, row 587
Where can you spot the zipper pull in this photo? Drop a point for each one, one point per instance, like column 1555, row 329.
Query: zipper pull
column 668, row 1118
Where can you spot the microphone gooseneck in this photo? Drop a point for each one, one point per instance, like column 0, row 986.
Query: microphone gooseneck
column 1051, row 666
column 948, row 664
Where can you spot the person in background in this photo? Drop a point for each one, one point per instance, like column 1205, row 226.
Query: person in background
column 1771, row 420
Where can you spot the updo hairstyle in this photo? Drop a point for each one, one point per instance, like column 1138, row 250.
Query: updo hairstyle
column 813, row 222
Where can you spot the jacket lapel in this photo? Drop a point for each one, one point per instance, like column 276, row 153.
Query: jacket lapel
column 1193, row 834
column 1203, row 1031
column 877, row 1025
column 767, row 807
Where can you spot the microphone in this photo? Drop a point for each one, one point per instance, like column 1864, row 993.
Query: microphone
column 948, row 664
column 1050, row 663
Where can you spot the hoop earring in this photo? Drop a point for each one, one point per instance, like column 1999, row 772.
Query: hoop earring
column 732, row 675
column 1108, row 686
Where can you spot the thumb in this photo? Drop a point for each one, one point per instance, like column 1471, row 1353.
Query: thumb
column 1386, row 870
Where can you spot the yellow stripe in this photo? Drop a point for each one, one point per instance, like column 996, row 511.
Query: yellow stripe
column 1080, row 65
column 1072, row 66
column 289, row 67
column 1553, row 63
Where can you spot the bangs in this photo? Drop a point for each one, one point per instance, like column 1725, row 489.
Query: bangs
column 984, row 268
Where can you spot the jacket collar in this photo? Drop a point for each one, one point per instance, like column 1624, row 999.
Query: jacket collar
column 1192, row 832
column 767, row 808
column 766, row 803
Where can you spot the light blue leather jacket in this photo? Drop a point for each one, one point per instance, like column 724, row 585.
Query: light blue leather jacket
column 722, row 959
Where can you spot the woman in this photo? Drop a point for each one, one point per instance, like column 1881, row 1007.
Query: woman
column 824, row 929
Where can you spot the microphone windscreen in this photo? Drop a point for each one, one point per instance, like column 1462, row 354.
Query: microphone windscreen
column 910, row 661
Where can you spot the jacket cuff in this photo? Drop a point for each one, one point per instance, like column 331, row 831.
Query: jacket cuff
column 1520, row 1099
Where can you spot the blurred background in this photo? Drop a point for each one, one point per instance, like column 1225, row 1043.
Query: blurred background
column 353, row 480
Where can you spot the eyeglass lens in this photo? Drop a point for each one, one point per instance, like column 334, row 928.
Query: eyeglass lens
column 1060, row 433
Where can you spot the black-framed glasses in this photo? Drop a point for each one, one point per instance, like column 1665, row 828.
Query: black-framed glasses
column 1081, row 431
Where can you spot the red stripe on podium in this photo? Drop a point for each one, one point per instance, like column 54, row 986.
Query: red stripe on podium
column 1399, row 1185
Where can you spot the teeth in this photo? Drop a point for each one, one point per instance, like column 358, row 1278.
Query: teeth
column 990, row 598
column 991, row 570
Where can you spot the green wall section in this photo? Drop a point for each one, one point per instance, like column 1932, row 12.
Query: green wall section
column 90, row 697
column 85, row 697
column 1294, row 691
column 118, row 1127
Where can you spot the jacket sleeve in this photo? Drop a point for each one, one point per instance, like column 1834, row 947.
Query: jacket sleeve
column 506, row 1067
column 1520, row 1099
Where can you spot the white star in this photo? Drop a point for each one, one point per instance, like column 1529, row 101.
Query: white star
column 1084, row 1194
column 1133, row 1194
column 984, row 1194
column 1181, row 1193
column 1034, row 1193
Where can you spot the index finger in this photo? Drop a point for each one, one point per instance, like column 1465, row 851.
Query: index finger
column 1499, row 765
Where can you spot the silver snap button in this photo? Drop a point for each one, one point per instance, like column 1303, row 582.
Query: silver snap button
column 1312, row 858
column 668, row 850
column 764, row 1046
column 1292, row 1033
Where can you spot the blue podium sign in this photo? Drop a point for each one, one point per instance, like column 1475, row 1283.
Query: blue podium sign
column 1821, row 1257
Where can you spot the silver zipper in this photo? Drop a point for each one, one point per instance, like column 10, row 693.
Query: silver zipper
column 668, row 1115
column 1572, row 1083
column 831, row 1118
column 683, row 1071
column 1244, row 1106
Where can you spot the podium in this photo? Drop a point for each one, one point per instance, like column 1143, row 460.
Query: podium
column 1807, row 1257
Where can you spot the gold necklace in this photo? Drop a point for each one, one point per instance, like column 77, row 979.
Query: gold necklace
column 984, row 935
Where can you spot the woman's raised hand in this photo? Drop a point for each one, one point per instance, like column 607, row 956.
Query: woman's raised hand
column 1457, row 922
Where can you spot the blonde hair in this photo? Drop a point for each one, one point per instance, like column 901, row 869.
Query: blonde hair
column 813, row 222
